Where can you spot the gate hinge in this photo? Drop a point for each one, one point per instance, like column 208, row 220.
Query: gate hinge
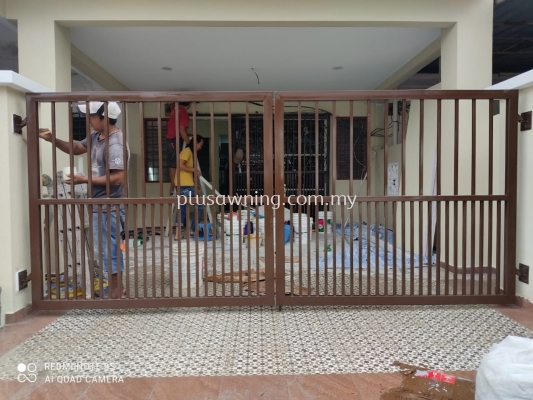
column 523, row 273
column 18, row 124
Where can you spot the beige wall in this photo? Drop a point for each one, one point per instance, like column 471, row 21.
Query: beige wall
column 14, row 236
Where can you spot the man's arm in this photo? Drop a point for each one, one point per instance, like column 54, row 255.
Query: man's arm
column 116, row 177
column 184, row 134
column 77, row 147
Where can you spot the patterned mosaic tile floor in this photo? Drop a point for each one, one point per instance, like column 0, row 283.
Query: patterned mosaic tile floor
column 264, row 341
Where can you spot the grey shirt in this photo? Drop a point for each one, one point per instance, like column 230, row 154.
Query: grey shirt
column 99, row 161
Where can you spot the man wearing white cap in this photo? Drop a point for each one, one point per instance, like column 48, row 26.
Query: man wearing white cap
column 100, row 170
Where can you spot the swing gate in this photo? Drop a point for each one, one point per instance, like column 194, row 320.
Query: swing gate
column 366, row 197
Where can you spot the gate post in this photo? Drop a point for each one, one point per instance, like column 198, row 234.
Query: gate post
column 511, row 193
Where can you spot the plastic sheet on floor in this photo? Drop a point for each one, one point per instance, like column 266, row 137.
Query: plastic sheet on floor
column 411, row 260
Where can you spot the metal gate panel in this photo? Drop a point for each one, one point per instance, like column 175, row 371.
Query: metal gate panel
column 163, row 268
column 447, row 237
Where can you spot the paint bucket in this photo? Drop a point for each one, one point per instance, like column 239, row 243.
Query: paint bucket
column 301, row 227
column 300, row 238
column 325, row 221
column 197, row 269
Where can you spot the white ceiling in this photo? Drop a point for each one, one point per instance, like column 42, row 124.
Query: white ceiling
column 216, row 59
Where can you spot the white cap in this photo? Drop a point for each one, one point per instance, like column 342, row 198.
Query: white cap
column 112, row 108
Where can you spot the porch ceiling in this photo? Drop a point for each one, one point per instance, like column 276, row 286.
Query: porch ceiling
column 208, row 58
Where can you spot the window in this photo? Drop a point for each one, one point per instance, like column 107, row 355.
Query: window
column 151, row 150
column 343, row 154
column 79, row 130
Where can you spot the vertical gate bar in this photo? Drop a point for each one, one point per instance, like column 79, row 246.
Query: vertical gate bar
column 343, row 244
column 412, row 240
column 230, row 175
column 143, row 148
column 65, row 255
column 498, row 246
column 403, row 179
column 473, row 203
column 473, row 170
column 420, row 204
column 107, row 179
column 279, row 180
column 170, row 250
column 291, row 251
column 403, row 243
column 456, row 151
column 152, row 225
column 394, row 277
column 162, row 248
column 145, row 267
column 491, row 179
column 473, row 248
column 177, row 180
column 368, row 152
column 54, row 149
column 135, row 251
column 326, row 249
column 240, row 247
column 257, row 234
column 404, row 138
column 368, row 257
column 300, row 189
column 360, row 242
column 268, row 151
column 455, row 246
column 118, row 250
column 127, row 245
column 213, row 192
column 489, row 250
column 430, row 247
column 143, row 192
column 334, row 187
column 248, row 230
column 456, row 192
column 83, row 246
column 100, row 255
column 73, row 207
column 196, row 179
column 351, row 196
column 464, row 249
column 447, row 249
column 481, row 238
column 439, row 186
column 48, row 258
column 420, row 247
column 160, row 148
column 317, row 185
column 126, row 158
column 385, row 248
column 376, row 228
column 511, row 192
column 108, row 216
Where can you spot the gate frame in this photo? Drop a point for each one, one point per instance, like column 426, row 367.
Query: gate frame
column 510, row 196
column 36, row 202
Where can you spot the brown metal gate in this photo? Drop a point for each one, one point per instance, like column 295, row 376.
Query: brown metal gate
column 451, row 224
column 162, row 267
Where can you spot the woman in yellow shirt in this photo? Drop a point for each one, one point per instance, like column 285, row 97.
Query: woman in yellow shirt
column 187, row 179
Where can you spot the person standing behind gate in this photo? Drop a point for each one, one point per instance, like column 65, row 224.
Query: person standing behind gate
column 100, row 171
column 188, row 184
column 171, row 137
